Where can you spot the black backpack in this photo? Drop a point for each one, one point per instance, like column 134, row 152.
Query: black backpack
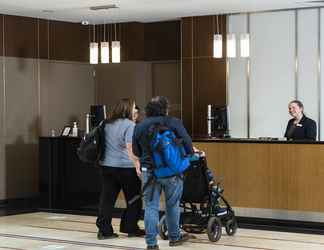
column 92, row 145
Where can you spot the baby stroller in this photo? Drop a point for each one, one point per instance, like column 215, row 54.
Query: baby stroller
column 204, row 209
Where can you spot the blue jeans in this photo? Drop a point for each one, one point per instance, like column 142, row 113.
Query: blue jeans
column 172, row 188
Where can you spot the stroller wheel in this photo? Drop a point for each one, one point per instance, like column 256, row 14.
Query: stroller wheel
column 214, row 229
column 231, row 226
column 163, row 229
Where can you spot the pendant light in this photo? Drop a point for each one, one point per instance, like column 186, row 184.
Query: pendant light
column 94, row 48
column 218, row 43
column 115, row 48
column 104, row 47
column 231, row 45
column 245, row 45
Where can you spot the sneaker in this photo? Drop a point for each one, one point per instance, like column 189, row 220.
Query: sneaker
column 154, row 247
column 180, row 241
column 137, row 233
column 101, row 236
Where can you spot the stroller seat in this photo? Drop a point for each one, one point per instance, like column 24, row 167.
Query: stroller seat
column 212, row 211
column 195, row 185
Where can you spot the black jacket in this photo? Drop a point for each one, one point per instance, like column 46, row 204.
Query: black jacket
column 141, row 133
column 304, row 130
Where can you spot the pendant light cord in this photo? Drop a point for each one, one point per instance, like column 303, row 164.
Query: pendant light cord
column 217, row 25
column 115, row 33
column 94, row 33
column 104, row 32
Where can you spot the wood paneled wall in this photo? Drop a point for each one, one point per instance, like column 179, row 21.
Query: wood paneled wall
column 27, row 37
column 130, row 35
column 158, row 41
column 132, row 41
column 20, row 37
column 162, row 41
column 68, row 41
column 203, row 77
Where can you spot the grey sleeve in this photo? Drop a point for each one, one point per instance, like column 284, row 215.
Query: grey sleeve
column 129, row 133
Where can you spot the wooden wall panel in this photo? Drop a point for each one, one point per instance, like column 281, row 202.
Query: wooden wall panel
column 144, row 41
column 1, row 35
column 127, row 79
column 43, row 35
column 166, row 82
column 69, row 41
column 272, row 176
column 132, row 41
column 66, row 93
column 187, row 37
column 209, row 88
column 187, row 94
column 203, row 36
column 206, row 75
column 162, row 41
column 21, row 127
column 20, row 36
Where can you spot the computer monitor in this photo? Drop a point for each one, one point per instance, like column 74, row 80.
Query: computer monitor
column 97, row 114
column 217, row 121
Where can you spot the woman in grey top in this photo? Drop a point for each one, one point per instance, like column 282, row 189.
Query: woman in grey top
column 119, row 171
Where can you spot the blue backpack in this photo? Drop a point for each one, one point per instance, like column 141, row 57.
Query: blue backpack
column 167, row 152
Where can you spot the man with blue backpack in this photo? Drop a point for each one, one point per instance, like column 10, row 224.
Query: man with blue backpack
column 164, row 148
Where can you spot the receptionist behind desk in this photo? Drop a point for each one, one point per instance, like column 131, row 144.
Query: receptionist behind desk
column 299, row 127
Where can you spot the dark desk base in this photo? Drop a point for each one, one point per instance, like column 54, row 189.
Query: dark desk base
column 66, row 182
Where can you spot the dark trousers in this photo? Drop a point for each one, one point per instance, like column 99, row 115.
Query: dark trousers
column 113, row 180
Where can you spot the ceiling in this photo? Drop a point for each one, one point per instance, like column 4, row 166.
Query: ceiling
column 139, row 10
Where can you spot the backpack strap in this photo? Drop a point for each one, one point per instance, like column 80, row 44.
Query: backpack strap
column 149, row 138
column 151, row 181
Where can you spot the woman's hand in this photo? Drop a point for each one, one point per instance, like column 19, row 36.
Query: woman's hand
column 134, row 159
column 200, row 152
column 138, row 169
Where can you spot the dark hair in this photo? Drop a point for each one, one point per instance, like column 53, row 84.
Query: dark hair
column 158, row 106
column 122, row 110
column 299, row 103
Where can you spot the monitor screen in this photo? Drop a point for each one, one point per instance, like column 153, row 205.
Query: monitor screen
column 217, row 123
column 220, row 119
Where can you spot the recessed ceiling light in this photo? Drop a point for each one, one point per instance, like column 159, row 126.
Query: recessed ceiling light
column 314, row 2
column 85, row 22
column 48, row 11
column 104, row 7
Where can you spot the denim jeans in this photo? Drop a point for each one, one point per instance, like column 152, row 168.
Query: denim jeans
column 172, row 188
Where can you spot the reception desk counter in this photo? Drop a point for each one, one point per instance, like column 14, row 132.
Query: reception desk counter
column 265, row 179
column 275, row 179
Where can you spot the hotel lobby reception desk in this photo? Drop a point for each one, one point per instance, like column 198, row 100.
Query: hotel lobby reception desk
column 264, row 179
column 270, row 179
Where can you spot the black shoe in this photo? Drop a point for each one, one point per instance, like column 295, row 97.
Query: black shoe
column 154, row 247
column 101, row 236
column 137, row 233
column 180, row 241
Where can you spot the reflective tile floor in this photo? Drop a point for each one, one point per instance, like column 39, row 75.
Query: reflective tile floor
column 49, row 231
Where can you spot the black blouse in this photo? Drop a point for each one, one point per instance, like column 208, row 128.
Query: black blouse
column 304, row 130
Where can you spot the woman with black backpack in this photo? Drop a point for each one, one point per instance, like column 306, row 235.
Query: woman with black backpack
column 119, row 171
